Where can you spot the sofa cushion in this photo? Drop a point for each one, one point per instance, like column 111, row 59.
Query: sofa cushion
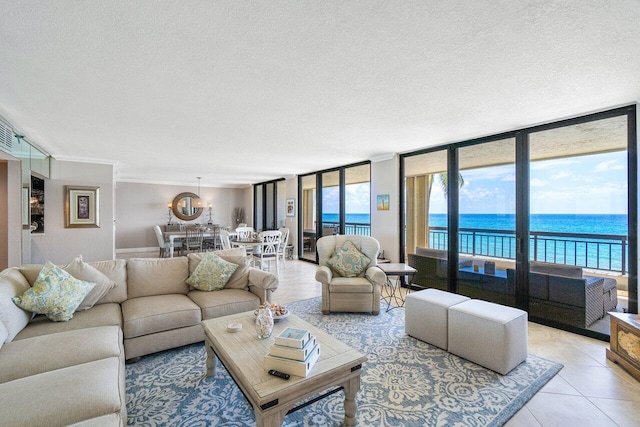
column 158, row 313
column 224, row 302
column 115, row 270
column 63, row 396
column 212, row 273
column 14, row 318
column 99, row 315
column 556, row 269
column 348, row 261
column 83, row 271
column 59, row 350
column 55, row 294
column 4, row 333
column 157, row 276
column 103, row 421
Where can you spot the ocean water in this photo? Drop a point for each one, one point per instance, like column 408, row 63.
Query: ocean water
column 606, row 254
column 359, row 218
column 584, row 224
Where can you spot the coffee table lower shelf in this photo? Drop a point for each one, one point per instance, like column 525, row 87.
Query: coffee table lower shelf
column 272, row 398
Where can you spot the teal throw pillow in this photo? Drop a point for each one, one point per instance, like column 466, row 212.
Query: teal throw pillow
column 348, row 261
column 55, row 293
column 212, row 273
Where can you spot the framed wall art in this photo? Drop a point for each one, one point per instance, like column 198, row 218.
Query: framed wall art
column 82, row 207
column 291, row 207
column 383, row 202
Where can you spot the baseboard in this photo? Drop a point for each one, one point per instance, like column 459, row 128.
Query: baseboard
column 132, row 250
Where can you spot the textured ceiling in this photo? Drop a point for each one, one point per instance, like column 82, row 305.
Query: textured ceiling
column 242, row 92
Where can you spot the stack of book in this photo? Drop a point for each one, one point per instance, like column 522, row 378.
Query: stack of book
column 294, row 352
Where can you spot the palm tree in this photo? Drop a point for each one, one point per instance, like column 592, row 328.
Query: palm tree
column 444, row 182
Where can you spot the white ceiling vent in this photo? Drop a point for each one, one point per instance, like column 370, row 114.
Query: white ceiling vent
column 6, row 137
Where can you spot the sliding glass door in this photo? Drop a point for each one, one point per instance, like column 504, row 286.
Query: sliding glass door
column 425, row 219
column 543, row 218
column 487, row 220
column 269, row 205
column 579, row 220
column 340, row 198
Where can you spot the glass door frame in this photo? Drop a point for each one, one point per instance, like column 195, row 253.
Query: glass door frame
column 318, row 192
column 523, row 204
column 262, row 188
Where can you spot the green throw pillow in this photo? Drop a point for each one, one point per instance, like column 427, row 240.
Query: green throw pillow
column 348, row 261
column 212, row 273
column 55, row 293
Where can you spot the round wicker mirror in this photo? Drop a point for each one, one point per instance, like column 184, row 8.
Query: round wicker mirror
column 184, row 206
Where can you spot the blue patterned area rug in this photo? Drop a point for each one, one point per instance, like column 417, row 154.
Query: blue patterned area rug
column 405, row 382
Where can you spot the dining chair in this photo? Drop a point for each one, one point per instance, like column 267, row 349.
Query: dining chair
column 163, row 244
column 245, row 232
column 242, row 224
column 284, row 242
column 267, row 249
column 225, row 239
column 193, row 239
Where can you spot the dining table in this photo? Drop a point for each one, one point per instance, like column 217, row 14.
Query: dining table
column 173, row 235
column 248, row 244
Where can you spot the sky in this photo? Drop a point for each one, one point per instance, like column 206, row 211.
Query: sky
column 357, row 199
column 595, row 184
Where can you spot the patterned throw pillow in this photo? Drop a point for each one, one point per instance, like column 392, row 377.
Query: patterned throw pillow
column 55, row 293
column 348, row 261
column 212, row 273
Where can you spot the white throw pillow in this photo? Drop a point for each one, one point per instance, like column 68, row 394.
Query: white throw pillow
column 83, row 271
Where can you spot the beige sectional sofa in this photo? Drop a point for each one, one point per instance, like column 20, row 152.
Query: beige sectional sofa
column 72, row 373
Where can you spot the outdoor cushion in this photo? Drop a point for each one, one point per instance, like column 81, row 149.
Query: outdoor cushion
column 348, row 261
column 212, row 273
column 556, row 269
column 55, row 294
column 83, row 271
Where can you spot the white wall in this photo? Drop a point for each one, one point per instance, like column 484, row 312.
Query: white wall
column 59, row 244
column 141, row 206
column 10, row 211
column 384, row 224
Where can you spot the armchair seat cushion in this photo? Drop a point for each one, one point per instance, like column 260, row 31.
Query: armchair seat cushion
column 350, row 285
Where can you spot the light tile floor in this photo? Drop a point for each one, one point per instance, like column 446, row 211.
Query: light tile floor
column 589, row 391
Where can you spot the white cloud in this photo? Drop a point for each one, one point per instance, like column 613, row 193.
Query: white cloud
column 609, row 165
column 538, row 183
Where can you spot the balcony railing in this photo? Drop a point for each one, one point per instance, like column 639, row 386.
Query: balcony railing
column 351, row 227
column 606, row 252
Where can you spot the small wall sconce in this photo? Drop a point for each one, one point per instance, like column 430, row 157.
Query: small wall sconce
column 210, row 206
column 170, row 217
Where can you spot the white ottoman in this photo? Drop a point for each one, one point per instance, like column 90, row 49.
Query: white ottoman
column 491, row 335
column 426, row 315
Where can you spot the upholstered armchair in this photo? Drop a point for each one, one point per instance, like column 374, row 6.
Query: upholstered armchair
column 347, row 269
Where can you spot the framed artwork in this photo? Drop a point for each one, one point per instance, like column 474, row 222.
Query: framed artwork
column 82, row 207
column 291, row 207
column 383, row 202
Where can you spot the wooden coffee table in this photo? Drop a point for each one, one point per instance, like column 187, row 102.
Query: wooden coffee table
column 242, row 354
